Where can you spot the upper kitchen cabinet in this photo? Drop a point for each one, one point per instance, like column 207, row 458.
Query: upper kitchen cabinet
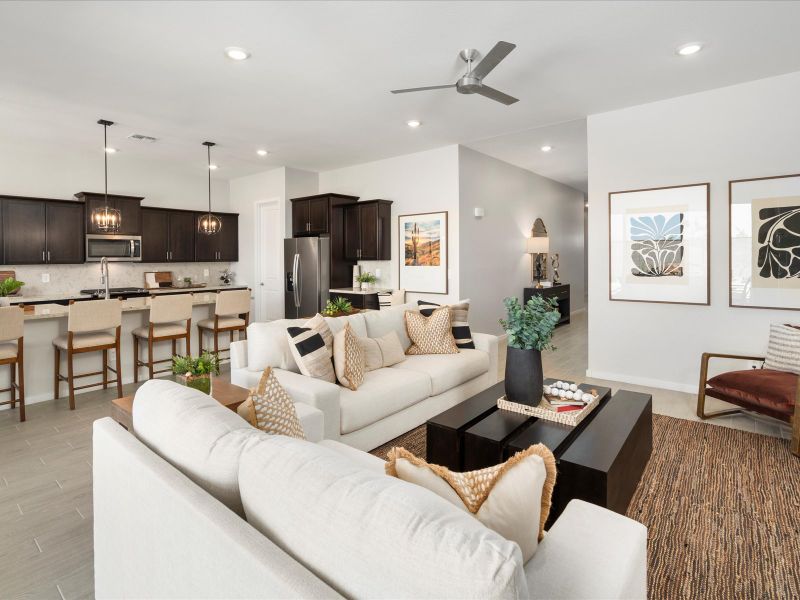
column 367, row 230
column 129, row 208
column 223, row 246
column 312, row 215
column 167, row 235
column 40, row 231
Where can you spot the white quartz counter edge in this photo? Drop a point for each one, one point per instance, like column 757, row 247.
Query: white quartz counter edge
column 58, row 311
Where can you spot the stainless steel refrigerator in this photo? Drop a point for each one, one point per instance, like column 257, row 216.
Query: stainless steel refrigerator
column 306, row 266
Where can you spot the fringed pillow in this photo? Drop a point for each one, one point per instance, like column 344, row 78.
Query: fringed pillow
column 502, row 497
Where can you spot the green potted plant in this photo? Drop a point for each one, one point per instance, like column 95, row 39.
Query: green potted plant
column 338, row 307
column 9, row 287
column 196, row 372
column 530, row 330
column 366, row 279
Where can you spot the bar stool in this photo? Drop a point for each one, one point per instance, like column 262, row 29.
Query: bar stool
column 12, row 319
column 87, row 331
column 231, row 313
column 165, row 314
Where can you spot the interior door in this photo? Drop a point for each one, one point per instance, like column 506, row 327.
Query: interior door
column 269, row 263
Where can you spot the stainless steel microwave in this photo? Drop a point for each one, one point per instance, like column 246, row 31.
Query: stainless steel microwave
column 116, row 248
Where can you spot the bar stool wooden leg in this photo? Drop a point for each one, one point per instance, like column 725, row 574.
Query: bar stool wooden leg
column 70, row 381
column 174, row 347
column 216, row 341
column 13, row 381
column 21, row 368
column 105, row 369
column 188, row 341
column 150, row 356
column 135, row 359
column 119, row 367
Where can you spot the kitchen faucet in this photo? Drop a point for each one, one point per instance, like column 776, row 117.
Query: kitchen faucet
column 104, row 276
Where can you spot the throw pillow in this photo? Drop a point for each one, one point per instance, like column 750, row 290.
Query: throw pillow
column 310, row 353
column 320, row 325
column 500, row 497
column 783, row 349
column 269, row 408
column 348, row 358
column 459, row 319
column 430, row 335
column 384, row 351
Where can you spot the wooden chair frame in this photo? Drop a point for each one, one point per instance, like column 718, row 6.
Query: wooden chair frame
column 217, row 330
column 701, row 397
column 16, row 364
column 151, row 339
column 71, row 376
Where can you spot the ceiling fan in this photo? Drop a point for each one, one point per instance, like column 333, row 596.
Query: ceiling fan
column 472, row 81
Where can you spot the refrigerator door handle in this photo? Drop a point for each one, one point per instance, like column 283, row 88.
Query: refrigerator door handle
column 298, row 284
column 296, row 280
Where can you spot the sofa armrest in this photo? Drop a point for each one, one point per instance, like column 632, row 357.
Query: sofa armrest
column 319, row 394
column 491, row 345
column 239, row 354
column 611, row 551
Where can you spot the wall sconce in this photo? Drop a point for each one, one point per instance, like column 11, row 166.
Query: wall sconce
column 538, row 245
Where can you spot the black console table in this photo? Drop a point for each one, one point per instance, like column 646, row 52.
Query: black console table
column 560, row 292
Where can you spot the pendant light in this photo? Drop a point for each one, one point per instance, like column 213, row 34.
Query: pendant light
column 106, row 218
column 209, row 223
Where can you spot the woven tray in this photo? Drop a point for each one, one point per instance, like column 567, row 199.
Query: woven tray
column 571, row 418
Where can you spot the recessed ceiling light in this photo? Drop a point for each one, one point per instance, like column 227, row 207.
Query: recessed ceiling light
column 546, row 148
column 689, row 49
column 413, row 123
column 235, row 53
column 213, row 167
column 262, row 152
column 111, row 150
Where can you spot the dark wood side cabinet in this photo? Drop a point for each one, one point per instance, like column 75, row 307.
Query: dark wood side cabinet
column 311, row 215
column 560, row 292
column 129, row 208
column 359, row 300
column 367, row 230
column 222, row 246
column 41, row 231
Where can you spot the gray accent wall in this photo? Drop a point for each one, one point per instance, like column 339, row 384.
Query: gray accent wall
column 492, row 255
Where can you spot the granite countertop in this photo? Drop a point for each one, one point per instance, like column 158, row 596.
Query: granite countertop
column 79, row 296
column 57, row 311
column 358, row 291
column 195, row 290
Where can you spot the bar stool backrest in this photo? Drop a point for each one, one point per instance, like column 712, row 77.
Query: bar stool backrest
column 171, row 308
column 94, row 315
column 232, row 302
column 12, row 320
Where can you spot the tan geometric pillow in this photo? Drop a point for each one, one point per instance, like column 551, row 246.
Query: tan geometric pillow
column 430, row 335
column 348, row 358
column 269, row 408
column 500, row 497
column 320, row 325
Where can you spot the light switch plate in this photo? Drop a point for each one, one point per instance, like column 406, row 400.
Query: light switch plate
column 378, row 273
column 45, row 277
column 205, row 272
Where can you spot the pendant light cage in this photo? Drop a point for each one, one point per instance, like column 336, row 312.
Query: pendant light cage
column 106, row 218
column 209, row 224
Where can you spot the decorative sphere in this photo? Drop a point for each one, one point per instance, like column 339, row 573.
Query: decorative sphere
column 557, row 384
column 546, row 390
column 569, row 395
column 562, row 393
column 587, row 398
column 573, row 388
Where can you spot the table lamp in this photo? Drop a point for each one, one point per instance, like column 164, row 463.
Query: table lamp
column 537, row 245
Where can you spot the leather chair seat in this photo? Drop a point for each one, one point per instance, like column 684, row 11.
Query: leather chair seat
column 8, row 351
column 224, row 322
column 765, row 390
column 160, row 330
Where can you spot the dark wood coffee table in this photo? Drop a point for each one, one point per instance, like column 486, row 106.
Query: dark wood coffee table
column 600, row 460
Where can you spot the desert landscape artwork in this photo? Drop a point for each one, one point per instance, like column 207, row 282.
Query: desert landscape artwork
column 423, row 241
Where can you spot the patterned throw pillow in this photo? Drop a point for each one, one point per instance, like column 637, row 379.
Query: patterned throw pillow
column 348, row 358
column 459, row 319
column 269, row 408
column 318, row 324
column 500, row 497
column 430, row 335
column 310, row 353
column 783, row 350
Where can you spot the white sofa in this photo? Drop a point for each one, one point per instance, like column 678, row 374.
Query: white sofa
column 198, row 504
column 392, row 400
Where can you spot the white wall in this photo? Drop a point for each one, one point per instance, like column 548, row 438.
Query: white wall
column 743, row 131
column 492, row 255
column 416, row 183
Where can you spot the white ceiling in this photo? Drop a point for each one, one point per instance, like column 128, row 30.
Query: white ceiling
column 316, row 90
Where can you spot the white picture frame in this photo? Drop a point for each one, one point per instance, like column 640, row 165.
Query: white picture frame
column 423, row 252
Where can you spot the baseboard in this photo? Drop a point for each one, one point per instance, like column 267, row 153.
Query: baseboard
column 649, row 382
column 576, row 311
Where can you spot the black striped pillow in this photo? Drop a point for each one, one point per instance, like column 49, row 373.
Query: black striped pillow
column 311, row 353
column 459, row 315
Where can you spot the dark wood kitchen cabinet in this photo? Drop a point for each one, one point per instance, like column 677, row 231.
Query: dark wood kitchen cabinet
column 311, row 215
column 40, row 231
column 367, row 230
column 222, row 246
column 167, row 235
column 129, row 208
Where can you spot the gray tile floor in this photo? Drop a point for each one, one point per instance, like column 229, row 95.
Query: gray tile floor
column 46, row 477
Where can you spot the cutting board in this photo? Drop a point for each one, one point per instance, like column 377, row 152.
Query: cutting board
column 157, row 279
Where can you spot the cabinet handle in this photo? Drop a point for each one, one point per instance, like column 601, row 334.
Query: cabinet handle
column 42, row 255
column 48, row 256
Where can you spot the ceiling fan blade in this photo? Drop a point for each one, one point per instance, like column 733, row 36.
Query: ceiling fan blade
column 490, row 92
column 422, row 89
column 491, row 60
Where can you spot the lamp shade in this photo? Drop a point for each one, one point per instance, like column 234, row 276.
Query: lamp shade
column 537, row 245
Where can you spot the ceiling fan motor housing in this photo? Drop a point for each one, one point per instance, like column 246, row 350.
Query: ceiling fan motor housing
column 468, row 84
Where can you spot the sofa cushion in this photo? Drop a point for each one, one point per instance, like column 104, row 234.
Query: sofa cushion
column 384, row 351
column 357, row 529
column 356, row 321
column 381, row 322
column 195, row 433
column 359, row 457
column 267, row 345
column 383, row 393
column 447, row 370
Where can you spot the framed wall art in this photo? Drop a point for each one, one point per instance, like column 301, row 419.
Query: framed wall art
column 423, row 252
column 659, row 245
column 764, row 250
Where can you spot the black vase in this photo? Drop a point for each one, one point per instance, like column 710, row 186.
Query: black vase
column 524, row 376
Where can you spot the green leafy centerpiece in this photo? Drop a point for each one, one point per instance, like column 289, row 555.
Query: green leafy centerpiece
column 337, row 307
column 196, row 372
column 530, row 330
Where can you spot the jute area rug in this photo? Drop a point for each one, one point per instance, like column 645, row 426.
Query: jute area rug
column 722, row 508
